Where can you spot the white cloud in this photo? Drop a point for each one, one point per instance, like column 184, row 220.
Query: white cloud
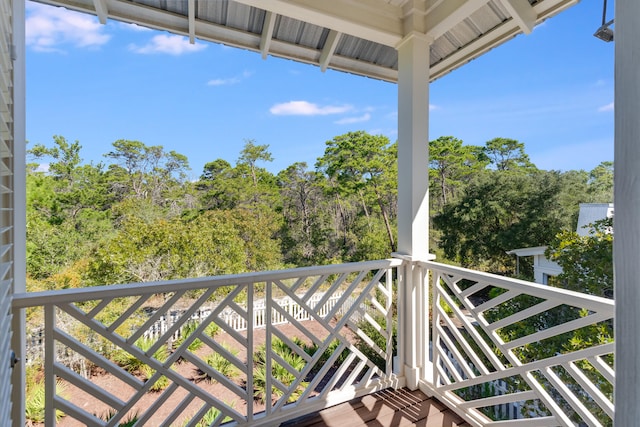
column 170, row 44
column 42, row 167
column 304, row 108
column 350, row 120
column 48, row 27
column 608, row 107
column 433, row 107
column 230, row 80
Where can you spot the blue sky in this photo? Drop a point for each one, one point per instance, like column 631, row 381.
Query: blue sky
column 552, row 90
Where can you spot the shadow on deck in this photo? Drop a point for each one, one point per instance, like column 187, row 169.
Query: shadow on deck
column 385, row 408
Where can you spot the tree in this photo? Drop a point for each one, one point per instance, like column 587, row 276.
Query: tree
column 507, row 154
column 66, row 157
column 500, row 211
column 364, row 165
column 67, row 210
column 450, row 166
column 601, row 183
column 251, row 154
column 305, row 228
column 586, row 261
column 246, row 185
column 150, row 170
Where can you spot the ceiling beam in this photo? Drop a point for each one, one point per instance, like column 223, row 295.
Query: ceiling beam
column 373, row 20
column 101, row 10
column 191, row 13
column 450, row 13
column 495, row 37
column 267, row 33
column 523, row 13
column 329, row 49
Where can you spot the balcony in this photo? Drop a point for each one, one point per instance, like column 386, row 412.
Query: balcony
column 495, row 351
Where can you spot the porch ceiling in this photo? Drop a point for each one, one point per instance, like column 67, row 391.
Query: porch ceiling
column 356, row 36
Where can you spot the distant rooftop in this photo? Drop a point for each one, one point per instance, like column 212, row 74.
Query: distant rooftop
column 590, row 213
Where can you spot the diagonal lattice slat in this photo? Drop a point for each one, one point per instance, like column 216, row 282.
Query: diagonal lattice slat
column 484, row 321
column 178, row 353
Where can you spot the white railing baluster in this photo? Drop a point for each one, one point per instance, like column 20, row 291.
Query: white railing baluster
column 49, row 360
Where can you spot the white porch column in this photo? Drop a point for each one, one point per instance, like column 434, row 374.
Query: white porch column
column 413, row 197
column 413, row 148
column 626, row 243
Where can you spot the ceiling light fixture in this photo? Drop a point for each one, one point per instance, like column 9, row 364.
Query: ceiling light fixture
column 604, row 32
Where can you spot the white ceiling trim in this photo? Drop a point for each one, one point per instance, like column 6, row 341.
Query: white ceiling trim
column 267, row 33
column 329, row 49
column 371, row 20
column 523, row 13
column 449, row 14
column 191, row 12
column 102, row 10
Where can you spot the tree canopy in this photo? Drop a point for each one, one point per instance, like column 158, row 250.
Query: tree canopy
column 135, row 216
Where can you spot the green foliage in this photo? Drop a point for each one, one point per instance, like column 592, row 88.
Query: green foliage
column 221, row 364
column 500, row 211
column 586, row 261
column 278, row 372
column 363, row 168
column 370, row 331
column 171, row 249
column 35, row 400
column 132, row 364
column 189, row 328
column 209, row 418
column 451, row 166
column 129, row 421
column 137, row 218
column 507, row 154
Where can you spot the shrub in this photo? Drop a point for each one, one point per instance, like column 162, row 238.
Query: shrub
column 378, row 339
column 278, row 372
column 221, row 364
column 209, row 417
column 35, row 401
column 132, row 364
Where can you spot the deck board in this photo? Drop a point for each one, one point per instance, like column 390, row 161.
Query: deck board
column 386, row 408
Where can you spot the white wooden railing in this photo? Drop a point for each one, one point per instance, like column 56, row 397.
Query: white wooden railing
column 552, row 347
column 35, row 336
column 84, row 322
column 483, row 344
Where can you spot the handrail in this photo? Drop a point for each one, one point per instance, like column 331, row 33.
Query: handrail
column 522, row 286
column 32, row 299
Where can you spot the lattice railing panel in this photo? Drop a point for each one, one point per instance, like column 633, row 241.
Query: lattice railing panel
column 506, row 349
column 255, row 348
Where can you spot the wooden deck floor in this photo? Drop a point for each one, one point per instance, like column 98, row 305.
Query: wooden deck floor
column 392, row 408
